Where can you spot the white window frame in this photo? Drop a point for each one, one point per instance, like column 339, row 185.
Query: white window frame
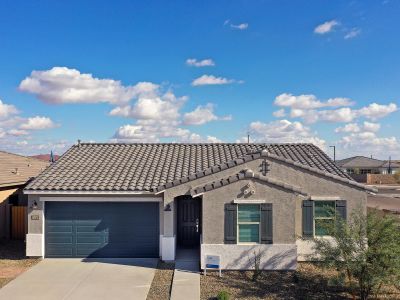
column 248, row 223
column 322, row 218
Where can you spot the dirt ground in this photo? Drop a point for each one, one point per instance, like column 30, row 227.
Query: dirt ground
column 162, row 281
column 13, row 261
column 308, row 282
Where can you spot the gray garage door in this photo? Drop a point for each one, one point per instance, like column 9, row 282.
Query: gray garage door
column 113, row 229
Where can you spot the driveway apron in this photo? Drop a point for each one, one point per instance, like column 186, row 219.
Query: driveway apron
column 76, row 279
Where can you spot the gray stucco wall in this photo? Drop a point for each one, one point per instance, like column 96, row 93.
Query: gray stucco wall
column 283, row 210
column 312, row 183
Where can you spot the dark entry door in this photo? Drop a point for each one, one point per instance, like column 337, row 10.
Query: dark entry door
column 189, row 214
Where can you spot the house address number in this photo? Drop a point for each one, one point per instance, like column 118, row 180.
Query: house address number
column 34, row 217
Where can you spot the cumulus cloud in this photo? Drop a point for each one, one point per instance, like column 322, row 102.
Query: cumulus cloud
column 7, row 110
column 64, row 85
column 280, row 113
column 352, row 33
column 326, row 27
column 164, row 107
column 202, row 115
column 376, row 111
column 309, row 101
column 354, row 127
column 193, row 62
column 368, row 143
column 284, row 131
column 17, row 132
column 38, row 123
column 212, row 80
column 308, row 108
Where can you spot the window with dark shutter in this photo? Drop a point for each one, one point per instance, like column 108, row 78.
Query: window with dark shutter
column 341, row 209
column 308, row 218
column 230, row 223
column 266, row 223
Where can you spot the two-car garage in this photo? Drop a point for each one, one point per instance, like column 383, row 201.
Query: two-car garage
column 101, row 229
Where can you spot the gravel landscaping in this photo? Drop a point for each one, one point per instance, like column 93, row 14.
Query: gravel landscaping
column 13, row 261
column 162, row 281
column 308, row 282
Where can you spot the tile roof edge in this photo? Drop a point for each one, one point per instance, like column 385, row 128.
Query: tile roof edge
column 47, row 169
column 244, row 174
column 212, row 170
column 320, row 172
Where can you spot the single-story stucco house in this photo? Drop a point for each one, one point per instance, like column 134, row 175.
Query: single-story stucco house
column 150, row 200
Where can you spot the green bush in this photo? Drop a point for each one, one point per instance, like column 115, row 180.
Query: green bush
column 223, row 295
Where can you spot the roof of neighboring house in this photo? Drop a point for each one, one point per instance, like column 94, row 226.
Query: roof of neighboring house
column 45, row 157
column 365, row 162
column 148, row 167
column 17, row 169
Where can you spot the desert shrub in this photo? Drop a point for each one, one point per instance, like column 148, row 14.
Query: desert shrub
column 223, row 295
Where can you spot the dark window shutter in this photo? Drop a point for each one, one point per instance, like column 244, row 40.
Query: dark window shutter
column 341, row 209
column 266, row 223
column 230, row 223
column 308, row 218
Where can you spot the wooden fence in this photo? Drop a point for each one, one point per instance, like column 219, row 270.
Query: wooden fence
column 18, row 222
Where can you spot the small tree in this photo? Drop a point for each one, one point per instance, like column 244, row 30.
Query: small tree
column 365, row 250
column 255, row 260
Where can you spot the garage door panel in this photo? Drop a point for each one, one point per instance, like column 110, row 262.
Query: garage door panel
column 115, row 229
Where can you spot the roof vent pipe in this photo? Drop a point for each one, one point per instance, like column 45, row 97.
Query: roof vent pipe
column 79, row 143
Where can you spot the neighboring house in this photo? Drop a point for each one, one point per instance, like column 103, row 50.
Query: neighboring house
column 151, row 200
column 364, row 165
column 15, row 171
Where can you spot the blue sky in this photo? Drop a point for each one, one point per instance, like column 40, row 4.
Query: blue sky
column 326, row 72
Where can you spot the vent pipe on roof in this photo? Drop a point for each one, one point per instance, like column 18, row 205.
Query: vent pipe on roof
column 79, row 143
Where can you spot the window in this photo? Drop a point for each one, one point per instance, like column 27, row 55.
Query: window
column 248, row 223
column 324, row 216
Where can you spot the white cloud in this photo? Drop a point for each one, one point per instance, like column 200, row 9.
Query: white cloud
column 212, row 80
column 202, row 115
column 38, row 123
column 354, row 128
column 307, row 107
column 309, row 101
column 241, row 26
column 326, row 27
column 165, row 107
column 193, row 62
column 17, row 132
column 376, row 111
column 368, row 143
column 283, row 131
column 63, row 85
column 7, row 110
column 352, row 33
column 280, row 113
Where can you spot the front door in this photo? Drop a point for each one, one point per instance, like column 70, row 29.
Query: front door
column 189, row 222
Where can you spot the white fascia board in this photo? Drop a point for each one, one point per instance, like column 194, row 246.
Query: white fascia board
column 31, row 192
column 239, row 201
column 328, row 198
column 100, row 199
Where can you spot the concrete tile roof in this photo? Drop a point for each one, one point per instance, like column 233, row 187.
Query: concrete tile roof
column 365, row 162
column 152, row 167
column 17, row 169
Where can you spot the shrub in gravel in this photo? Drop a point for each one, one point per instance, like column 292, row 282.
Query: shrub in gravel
column 223, row 295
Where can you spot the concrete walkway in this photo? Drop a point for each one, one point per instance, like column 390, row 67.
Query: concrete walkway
column 186, row 283
column 87, row 279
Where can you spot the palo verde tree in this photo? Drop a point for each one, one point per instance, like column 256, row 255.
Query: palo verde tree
column 365, row 251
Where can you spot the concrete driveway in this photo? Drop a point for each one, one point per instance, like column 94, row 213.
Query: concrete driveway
column 87, row 279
